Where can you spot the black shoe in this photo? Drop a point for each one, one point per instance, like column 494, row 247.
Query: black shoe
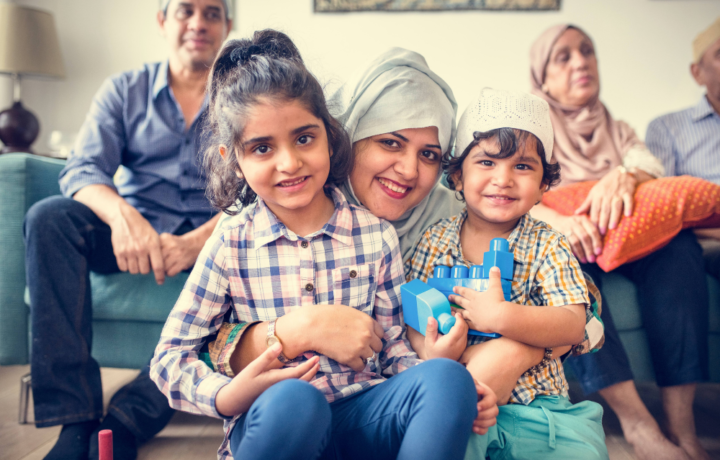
column 73, row 441
column 124, row 441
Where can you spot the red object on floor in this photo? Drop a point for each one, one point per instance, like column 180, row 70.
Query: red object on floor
column 105, row 447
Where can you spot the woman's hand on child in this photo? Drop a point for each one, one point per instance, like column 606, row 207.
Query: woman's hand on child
column 237, row 396
column 487, row 409
column 344, row 334
column 450, row 345
column 482, row 310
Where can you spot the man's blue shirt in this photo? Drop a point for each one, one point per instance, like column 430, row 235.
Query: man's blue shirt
column 688, row 142
column 135, row 124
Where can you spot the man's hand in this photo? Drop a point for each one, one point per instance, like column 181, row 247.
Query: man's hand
column 179, row 252
column 487, row 409
column 482, row 310
column 136, row 244
column 237, row 396
column 450, row 345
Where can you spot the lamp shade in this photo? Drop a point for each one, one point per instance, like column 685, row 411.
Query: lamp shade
column 29, row 42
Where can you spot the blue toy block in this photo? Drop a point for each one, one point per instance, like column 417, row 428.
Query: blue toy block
column 476, row 278
column 420, row 302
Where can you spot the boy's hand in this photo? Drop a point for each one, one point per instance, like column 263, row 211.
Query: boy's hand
column 482, row 310
column 487, row 409
column 237, row 396
column 450, row 345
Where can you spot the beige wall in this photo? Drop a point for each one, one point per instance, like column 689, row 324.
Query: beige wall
column 643, row 48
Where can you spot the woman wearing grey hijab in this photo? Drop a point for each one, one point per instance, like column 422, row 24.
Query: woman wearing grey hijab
column 401, row 119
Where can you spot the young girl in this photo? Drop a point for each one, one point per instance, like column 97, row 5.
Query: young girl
column 501, row 170
column 298, row 244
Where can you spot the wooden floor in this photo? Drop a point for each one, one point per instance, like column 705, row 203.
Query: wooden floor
column 192, row 437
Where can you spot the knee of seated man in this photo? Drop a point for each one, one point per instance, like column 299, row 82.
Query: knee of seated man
column 48, row 213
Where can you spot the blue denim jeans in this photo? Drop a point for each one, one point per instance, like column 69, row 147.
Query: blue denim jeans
column 673, row 299
column 424, row 412
column 64, row 241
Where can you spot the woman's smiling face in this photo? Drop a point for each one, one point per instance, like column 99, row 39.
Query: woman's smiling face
column 395, row 171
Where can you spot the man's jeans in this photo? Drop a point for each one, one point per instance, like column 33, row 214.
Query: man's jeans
column 64, row 241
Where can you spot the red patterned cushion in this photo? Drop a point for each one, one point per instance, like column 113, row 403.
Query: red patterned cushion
column 663, row 207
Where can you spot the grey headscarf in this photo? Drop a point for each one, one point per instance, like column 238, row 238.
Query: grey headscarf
column 397, row 90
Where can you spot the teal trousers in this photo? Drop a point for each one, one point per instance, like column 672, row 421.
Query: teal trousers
column 548, row 428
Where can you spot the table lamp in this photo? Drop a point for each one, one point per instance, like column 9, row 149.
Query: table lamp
column 29, row 47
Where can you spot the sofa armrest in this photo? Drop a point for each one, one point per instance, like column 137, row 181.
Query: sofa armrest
column 24, row 180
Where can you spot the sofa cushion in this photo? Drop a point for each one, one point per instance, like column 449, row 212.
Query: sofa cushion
column 621, row 295
column 122, row 296
column 661, row 209
column 126, row 297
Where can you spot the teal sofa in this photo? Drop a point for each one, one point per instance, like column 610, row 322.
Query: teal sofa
column 129, row 310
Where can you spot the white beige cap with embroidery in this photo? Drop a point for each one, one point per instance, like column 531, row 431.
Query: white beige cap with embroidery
column 704, row 39
column 495, row 109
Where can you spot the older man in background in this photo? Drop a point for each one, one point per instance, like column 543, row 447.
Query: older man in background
column 688, row 142
column 153, row 217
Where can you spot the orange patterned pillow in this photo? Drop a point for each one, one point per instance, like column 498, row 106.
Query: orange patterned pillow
column 663, row 207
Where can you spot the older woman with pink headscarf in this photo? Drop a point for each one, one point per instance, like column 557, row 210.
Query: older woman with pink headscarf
column 672, row 292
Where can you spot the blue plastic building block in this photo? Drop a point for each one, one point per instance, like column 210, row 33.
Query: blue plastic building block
column 446, row 278
column 420, row 302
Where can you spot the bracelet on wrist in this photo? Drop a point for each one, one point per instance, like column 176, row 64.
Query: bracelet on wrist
column 630, row 172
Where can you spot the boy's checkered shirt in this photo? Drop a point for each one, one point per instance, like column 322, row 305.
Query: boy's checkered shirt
column 546, row 274
column 256, row 269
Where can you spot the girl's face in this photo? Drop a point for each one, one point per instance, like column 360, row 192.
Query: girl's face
column 284, row 157
column 393, row 172
column 571, row 75
column 499, row 191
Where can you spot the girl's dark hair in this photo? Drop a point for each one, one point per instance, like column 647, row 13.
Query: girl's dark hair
column 266, row 66
column 508, row 139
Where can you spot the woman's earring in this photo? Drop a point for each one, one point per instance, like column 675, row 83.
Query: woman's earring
column 462, row 195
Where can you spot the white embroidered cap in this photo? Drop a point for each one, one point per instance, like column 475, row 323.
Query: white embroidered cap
column 495, row 109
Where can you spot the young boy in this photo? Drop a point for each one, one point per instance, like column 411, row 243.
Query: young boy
column 501, row 170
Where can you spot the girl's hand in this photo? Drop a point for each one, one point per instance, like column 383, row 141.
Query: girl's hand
column 237, row 396
column 450, row 345
column 343, row 334
column 482, row 310
column 487, row 409
column 584, row 237
column 609, row 199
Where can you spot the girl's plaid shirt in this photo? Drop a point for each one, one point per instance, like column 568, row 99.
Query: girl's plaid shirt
column 256, row 269
column 546, row 274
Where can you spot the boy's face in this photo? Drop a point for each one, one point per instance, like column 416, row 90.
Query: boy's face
column 500, row 191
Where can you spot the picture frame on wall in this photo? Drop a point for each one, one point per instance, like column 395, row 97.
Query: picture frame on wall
column 345, row 6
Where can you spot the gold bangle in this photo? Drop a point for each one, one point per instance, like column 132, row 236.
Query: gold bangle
column 630, row 172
